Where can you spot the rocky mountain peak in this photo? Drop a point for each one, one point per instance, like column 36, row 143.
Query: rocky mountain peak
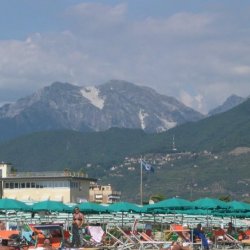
column 116, row 103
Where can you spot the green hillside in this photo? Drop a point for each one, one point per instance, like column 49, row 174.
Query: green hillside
column 190, row 175
column 217, row 133
column 69, row 149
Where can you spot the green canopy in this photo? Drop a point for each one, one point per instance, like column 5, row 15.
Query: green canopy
column 12, row 204
column 209, row 203
column 195, row 212
column 173, row 203
column 49, row 205
column 124, row 207
column 239, row 206
column 92, row 208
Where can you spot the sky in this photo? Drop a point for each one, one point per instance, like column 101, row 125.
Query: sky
column 197, row 51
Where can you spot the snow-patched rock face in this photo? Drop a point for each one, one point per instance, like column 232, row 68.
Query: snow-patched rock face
column 93, row 95
column 142, row 115
column 166, row 124
column 95, row 108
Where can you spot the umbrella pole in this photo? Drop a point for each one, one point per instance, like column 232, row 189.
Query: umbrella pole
column 122, row 219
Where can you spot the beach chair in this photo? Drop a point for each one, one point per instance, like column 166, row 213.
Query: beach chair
column 183, row 233
column 115, row 239
column 147, row 242
column 96, row 236
column 127, row 238
column 143, row 240
column 224, row 240
column 44, row 233
column 7, row 237
column 232, row 241
column 246, row 241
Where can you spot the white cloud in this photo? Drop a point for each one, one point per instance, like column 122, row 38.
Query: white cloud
column 100, row 43
column 242, row 70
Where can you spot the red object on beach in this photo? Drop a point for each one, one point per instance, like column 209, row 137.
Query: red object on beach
column 5, row 234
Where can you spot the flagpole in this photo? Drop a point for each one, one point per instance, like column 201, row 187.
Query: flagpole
column 141, row 182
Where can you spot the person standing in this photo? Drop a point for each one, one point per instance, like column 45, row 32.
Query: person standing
column 77, row 223
column 198, row 232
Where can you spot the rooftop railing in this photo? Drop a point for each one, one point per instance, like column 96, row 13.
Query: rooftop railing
column 47, row 174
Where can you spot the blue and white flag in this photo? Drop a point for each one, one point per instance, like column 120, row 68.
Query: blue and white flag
column 147, row 166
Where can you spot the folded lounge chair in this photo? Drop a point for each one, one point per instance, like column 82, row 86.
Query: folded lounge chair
column 96, row 235
column 117, row 239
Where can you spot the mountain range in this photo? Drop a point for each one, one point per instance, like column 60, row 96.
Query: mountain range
column 231, row 102
column 103, row 131
column 95, row 108
column 204, row 164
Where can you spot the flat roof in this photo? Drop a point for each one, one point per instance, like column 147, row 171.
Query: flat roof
column 46, row 178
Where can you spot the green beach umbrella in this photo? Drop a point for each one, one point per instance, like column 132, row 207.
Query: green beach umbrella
column 209, row 203
column 92, row 208
column 52, row 206
column 195, row 212
column 239, row 206
column 12, row 204
column 124, row 207
column 172, row 204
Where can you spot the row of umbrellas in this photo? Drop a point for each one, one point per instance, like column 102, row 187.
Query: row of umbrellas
column 173, row 205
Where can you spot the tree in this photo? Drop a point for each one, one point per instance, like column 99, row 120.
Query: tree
column 226, row 198
column 157, row 197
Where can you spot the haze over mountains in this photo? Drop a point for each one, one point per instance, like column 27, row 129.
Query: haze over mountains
column 113, row 104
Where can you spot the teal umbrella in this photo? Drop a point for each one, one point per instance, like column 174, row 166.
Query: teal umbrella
column 92, row 208
column 124, row 207
column 209, row 203
column 195, row 212
column 172, row 204
column 12, row 204
column 51, row 206
column 150, row 209
column 239, row 206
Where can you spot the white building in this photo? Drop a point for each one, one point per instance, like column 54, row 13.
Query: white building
column 62, row 186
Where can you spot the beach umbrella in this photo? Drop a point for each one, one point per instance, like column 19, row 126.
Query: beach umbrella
column 195, row 212
column 124, row 207
column 210, row 203
column 239, row 206
column 172, row 204
column 12, row 204
column 51, row 206
column 92, row 208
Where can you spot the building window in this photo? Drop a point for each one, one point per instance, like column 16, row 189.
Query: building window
column 7, row 185
column 22, row 185
column 11, row 185
column 28, row 185
column 16, row 185
column 33, row 185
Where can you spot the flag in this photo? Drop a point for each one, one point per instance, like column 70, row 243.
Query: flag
column 147, row 166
